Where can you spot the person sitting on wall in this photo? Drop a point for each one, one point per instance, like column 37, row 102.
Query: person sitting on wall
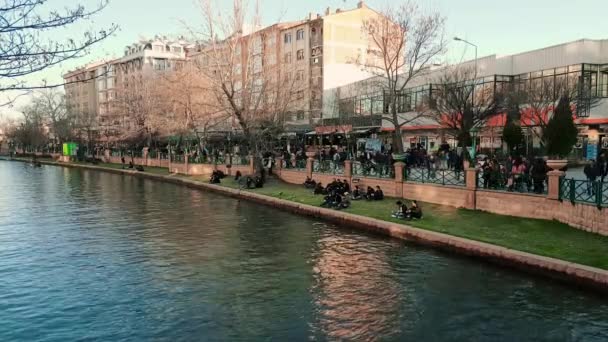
column 345, row 186
column 401, row 211
column 139, row 168
column 415, row 212
column 357, row 194
column 379, row 194
column 370, row 194
column 309, row 183
column 319, row 190
column 238, row 175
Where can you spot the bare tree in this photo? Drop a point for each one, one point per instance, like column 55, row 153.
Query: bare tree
column 27, row 42
column 138, row 108
column 404, row 42
column 245, row 74
column 53, row 106
column 536, row 99
column 460, row 103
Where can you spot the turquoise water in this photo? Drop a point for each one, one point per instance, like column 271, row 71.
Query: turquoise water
column 95, row 256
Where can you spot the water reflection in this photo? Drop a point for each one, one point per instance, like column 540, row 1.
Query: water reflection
column 87, row 255
column 355, row 295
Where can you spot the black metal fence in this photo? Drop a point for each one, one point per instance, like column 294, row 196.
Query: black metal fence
column 441, row 177
column 522, row 183
column 373, row 169
column 584, row 191
column 329, row 167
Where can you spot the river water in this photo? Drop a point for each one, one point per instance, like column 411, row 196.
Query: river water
column 94, row 256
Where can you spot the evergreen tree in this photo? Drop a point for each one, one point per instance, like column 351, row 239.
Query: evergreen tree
column 512, row 133
column 560, row 134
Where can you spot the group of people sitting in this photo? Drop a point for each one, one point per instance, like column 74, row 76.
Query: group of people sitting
column 216, row 177
column 131, row 166
column 249, row 182
column 403, row 212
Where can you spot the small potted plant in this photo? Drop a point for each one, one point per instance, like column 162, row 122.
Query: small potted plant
column 560, row 135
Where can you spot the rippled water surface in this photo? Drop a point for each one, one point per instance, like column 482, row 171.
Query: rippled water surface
column 95, row 256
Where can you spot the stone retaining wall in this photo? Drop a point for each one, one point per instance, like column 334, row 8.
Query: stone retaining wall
column 538, row 265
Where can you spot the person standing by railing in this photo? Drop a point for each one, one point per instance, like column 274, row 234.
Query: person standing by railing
column 602, row 164
column 591, row 171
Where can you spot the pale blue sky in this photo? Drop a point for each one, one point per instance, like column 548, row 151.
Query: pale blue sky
column 502, row 27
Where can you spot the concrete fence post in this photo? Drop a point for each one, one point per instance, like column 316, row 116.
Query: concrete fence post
column 251, row 164
column 186, row 163
column 106, row 155
column 309, row 166
column 279, row 165
column 553, row 184
column 399, row 166
column 471, row 178
column 144, row 154
column 348, row 168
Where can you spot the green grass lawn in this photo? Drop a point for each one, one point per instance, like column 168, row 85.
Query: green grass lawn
column 541, row 237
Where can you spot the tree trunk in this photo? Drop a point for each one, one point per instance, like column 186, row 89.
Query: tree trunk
column 397, row 138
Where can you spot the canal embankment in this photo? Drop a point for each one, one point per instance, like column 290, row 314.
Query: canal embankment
column 557, row 268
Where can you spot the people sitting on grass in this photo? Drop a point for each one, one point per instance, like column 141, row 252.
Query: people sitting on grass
column 139, row 168
column 401, row 210
column 249, row 184
column 319, row 190
column 378, row 194
column 332, row 200
column 345, row 186
column 415, row 212
column 357, row 194
column 344, row 201
column 130, row 165
column 215, row 177
column 309, row 183
column 259, row 182
column 238, row 175
column 370, row 193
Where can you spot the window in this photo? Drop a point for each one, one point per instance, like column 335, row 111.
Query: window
column 287, row 58
column 300, row 115
column 177, row 49
column 300, row 75
column 315, row 60
column 300, row 94
column 237, row 49
column 287, row 76
column 257, row 64
column 238, row 86
column 300, row 34
column 300, row 55
column 160, row 64
column 272, row 59
column 287, row 38
column 237, row 69
column 158, row 48
column 314, row 31
column 270, row 40
column 257, row 45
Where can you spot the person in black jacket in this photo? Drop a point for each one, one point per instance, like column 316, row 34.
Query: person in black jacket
column 591, row 172
column 378, row 194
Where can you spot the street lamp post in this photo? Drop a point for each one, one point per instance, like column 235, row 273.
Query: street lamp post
column 473, row 45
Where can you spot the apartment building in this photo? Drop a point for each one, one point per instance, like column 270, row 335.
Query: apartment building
column 92, row 88
column 317, row 54
column 583, row 63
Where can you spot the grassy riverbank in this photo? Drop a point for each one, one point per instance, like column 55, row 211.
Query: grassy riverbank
column 541, row 237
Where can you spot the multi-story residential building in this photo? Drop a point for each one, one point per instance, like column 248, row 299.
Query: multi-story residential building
column 583, row 63
column 318, row 54
column 92, row 88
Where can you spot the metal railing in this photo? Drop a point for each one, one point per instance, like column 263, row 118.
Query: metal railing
column 300, row 164
column 328, row 166
column 441, row 177
column 584, row 191
column 373, row 169
column 523, row 183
